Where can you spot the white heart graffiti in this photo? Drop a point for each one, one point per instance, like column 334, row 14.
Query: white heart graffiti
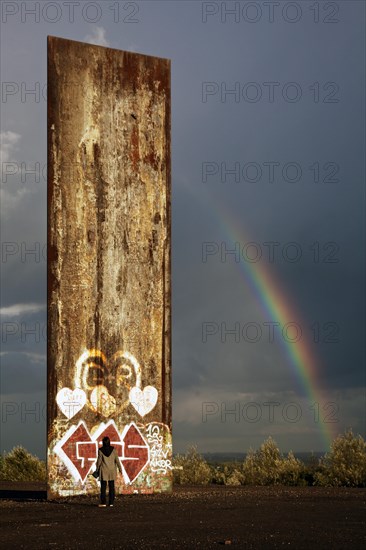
column 143, row 400
column 100, row 400
column 70, row 401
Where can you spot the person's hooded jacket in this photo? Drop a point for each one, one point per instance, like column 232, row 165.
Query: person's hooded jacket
column 108, row 463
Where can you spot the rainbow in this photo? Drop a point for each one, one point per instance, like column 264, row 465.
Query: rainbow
column 275, row 306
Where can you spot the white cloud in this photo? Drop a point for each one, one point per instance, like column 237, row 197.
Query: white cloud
column 97, row 36
column 19, row 309
column 9, row 202
column 11, row 195
column 193, row 407
column 36, row 358
column 8, row 141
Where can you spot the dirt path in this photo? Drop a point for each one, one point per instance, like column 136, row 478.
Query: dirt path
column 244, row 517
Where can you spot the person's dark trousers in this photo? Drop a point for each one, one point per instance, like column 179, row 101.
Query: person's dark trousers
column 103, row 491
column 111, row 491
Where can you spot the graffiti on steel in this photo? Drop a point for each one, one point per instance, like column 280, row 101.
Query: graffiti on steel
column 93, row 374
column 78, row 450
column 159, row 450
column 95, row 379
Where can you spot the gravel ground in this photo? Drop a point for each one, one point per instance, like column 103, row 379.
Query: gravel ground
column 204, row 517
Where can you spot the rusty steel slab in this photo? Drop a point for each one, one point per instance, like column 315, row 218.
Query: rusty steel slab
column 109, row 264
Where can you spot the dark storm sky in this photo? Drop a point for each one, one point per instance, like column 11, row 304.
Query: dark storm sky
column 273, row 84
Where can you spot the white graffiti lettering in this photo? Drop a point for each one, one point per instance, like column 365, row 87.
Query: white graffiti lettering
column 158, row 451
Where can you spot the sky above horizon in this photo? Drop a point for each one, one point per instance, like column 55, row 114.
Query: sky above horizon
column 268, row 212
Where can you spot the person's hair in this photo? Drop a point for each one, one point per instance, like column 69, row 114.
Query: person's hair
column 106, row 441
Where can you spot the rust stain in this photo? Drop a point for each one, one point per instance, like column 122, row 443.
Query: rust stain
column 108, row 252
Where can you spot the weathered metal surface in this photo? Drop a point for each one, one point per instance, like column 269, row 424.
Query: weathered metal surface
column 109, row 318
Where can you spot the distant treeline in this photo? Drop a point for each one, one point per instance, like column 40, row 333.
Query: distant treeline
column 221, row 458
column 344, row 465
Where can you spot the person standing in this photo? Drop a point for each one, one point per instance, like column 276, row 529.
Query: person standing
column 107, row 465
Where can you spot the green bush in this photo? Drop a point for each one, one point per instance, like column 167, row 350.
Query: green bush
column 293, row 471
column 262, row 467
column 219, row 474
column 268, row 467
column 345, row 464
column 227, row 473
column 19, row 465
column 235, row 477
column 191, row 469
